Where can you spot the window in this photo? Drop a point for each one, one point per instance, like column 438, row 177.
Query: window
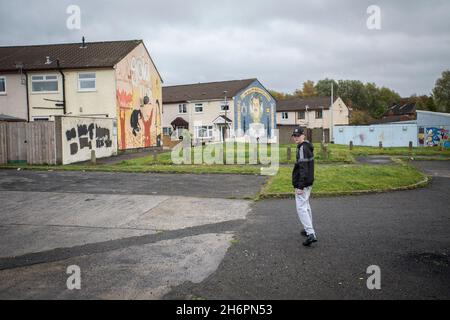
column 182, row 109
column 284, row 115
column 198, row 108
column 44, row 83
column 87, row 82
column 224, row 107
column 167, row 131
column 319, row 114
column 204, row 132
column 301, row 115
column 2, row 85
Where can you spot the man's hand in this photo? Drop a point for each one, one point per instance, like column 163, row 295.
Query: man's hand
column 299, row 191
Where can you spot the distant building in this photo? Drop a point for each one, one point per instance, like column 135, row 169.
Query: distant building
column 216, row 111
column 399, row 112
column 314, row 114
column 115, row 79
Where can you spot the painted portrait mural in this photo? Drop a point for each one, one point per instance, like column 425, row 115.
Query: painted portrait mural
column 255, row 110
column 139, row 101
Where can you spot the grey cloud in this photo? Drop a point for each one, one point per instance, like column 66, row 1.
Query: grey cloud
column 283, row 43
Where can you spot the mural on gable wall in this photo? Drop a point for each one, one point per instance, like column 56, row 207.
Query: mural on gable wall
column 437, row 136
column 139, row 97
column 255, row 109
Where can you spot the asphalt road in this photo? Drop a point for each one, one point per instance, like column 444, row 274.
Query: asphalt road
column 204, row 185
column 406, row 234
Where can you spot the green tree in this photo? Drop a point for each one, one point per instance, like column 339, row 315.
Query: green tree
column 430, row 105
column 441, row 92
column 354, row 91
column 323, row 87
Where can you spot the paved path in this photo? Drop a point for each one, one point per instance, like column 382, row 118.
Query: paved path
column 405, row 233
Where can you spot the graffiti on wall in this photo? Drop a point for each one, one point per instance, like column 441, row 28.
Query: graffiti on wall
column 90, row 136
column 255, row 108
column 437, row 137
column 138, row 101
column 421, row 136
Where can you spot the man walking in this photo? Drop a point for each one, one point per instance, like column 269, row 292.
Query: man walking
column 302, row 180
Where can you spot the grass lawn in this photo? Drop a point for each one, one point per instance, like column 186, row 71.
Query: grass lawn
column 345, row 178
column 336, row 154
column 395, row 151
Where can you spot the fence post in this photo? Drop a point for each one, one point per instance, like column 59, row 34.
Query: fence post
column 324, row 148
column 3, row 147
column 381, row 144
column 410, row 147
column 351, row 145
column 93, row 157
column 289, row 153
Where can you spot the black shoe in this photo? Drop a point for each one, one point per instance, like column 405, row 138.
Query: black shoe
column 311, row 239
column 303, row 233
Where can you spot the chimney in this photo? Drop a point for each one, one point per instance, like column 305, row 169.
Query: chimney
column 83, row 44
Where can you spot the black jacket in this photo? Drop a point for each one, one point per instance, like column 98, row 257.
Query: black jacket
column 303, row 173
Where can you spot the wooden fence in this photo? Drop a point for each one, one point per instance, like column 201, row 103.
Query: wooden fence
column 32, row 143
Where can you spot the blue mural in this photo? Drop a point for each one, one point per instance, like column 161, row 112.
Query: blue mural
column 254, row 106
column 438, row 136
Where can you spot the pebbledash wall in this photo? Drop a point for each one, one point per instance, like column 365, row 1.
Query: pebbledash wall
column 77, row 137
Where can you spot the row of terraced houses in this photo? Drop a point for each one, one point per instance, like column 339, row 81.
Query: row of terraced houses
column 119, row 80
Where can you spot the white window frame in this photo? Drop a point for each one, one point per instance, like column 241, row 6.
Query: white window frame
column 317, row 113
column 182, row 107
column 299, row 113
column 198, row 105
column 3, row 93
column 209, row 129
column 44, row 80
column 87, row 79
column 285, row 115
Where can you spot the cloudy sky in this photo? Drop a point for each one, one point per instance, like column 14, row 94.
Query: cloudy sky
column 283, row 43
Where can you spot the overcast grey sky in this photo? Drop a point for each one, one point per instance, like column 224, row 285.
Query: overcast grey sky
column 283, row 43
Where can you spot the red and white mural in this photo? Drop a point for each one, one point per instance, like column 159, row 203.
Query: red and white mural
column 139, row 101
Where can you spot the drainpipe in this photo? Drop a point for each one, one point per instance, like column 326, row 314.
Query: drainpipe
column 27, row 94
column 63, row 86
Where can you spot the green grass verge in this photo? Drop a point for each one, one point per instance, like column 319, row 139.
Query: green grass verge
column 348, row 178
column 400, row 151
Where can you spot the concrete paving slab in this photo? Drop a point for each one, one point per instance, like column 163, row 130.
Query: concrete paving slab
column 73, row 209
column 18, row 240
column 138, row 272
column 184, row 212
